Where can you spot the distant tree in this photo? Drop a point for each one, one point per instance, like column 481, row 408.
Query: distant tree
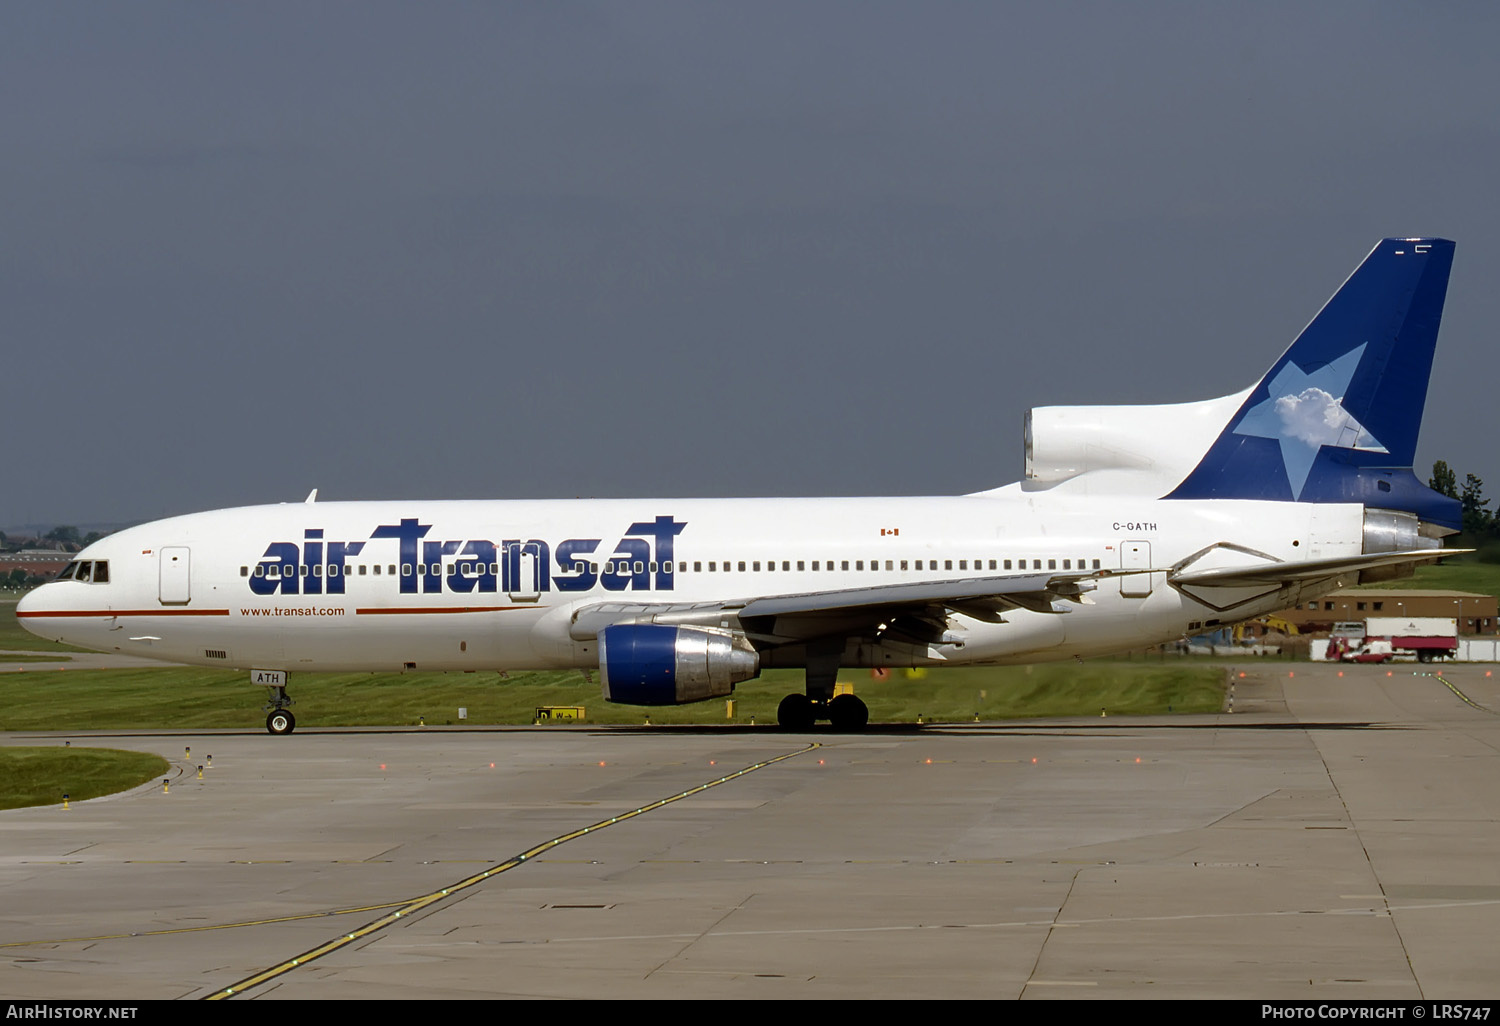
column 1477, row 519
column 16, row 578
column 63, row 535
column 1444, row 480
column 92, row 537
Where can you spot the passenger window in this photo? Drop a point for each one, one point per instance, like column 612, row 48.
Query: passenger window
column 815, row 564
column 244, row 571
column 801, row 566
column 947, row 564
column 362, row 569
column 1067, row 564
column 1051, row 564
column 771, row 565
column 405, row 569
column 859, row 564
column 1007, row 564
column 317, row 570
column 888, row 565
column 698, row 566
column 844, row 564
column 742, row 566
column 903, row 564
column 963, row 564
column 785, row 565
column 1096, row 564
column 653, row 567
column 260, row 570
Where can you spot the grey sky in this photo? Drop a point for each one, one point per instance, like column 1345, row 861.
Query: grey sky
column 535, row 250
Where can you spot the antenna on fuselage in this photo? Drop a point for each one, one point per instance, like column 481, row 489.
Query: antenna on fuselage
column 312, row 497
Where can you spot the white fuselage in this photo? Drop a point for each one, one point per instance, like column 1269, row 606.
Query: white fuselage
column 471, row 585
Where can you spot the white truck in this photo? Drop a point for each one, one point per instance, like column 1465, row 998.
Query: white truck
column 1386, row 637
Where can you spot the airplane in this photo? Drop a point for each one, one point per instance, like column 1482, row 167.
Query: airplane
column 1134, row 525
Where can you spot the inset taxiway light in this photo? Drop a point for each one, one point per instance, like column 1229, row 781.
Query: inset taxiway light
column 1487, row 673
column 492, row 765
column 1341, row 673
column 382, row 765
column 1242, row 673
column 1137, row 758
column 928, row 761
column 1289, row 673
column 601, row 762
column 820, row 762
column 1033, row 760
column 1387, row 673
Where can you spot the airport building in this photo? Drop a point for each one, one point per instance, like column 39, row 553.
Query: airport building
column 1476, row 614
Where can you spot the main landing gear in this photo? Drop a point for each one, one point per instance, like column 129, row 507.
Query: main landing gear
column 280, row 720
column 843, row 712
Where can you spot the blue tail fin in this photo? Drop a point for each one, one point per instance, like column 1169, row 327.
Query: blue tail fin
column 1336, row 418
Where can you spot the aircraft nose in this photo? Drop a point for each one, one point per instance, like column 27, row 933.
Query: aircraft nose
column 33, row 603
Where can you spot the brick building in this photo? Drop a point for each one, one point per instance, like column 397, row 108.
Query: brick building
column 1476, row 614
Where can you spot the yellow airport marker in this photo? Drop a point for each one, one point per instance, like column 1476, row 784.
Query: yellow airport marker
column 200, row 772
column 187, row 753
column 163, row 785
column 65, row 802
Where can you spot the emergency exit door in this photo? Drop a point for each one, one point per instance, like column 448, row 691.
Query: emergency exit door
column 175, row 588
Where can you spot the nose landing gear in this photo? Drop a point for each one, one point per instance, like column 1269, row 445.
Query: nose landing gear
column 280, row 720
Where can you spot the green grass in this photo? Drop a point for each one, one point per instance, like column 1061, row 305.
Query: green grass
column 1459, row 573
column 41, row 776
column 192, row 699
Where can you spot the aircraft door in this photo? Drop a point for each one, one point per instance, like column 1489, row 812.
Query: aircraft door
column 174, row 579
column 524, row 586
column 1133, row 555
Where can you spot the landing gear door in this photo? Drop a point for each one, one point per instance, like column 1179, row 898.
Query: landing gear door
column 1135, row 555
column 175, row 576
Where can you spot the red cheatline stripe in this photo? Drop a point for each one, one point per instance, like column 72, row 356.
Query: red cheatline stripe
column 124, row 612
column 441, row 609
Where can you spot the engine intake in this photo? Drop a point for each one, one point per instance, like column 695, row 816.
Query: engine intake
column 658, row 664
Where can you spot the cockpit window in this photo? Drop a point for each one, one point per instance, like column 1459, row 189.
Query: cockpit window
column 95, row 571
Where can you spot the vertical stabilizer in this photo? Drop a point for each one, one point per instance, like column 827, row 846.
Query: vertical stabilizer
column 1336, row 418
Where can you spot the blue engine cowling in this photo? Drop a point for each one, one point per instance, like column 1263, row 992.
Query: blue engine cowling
column 657, row 664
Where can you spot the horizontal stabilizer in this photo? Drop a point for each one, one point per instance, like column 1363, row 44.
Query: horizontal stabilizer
column 1303, row 570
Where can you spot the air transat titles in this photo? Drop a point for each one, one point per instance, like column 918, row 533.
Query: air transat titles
column 640, row 561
